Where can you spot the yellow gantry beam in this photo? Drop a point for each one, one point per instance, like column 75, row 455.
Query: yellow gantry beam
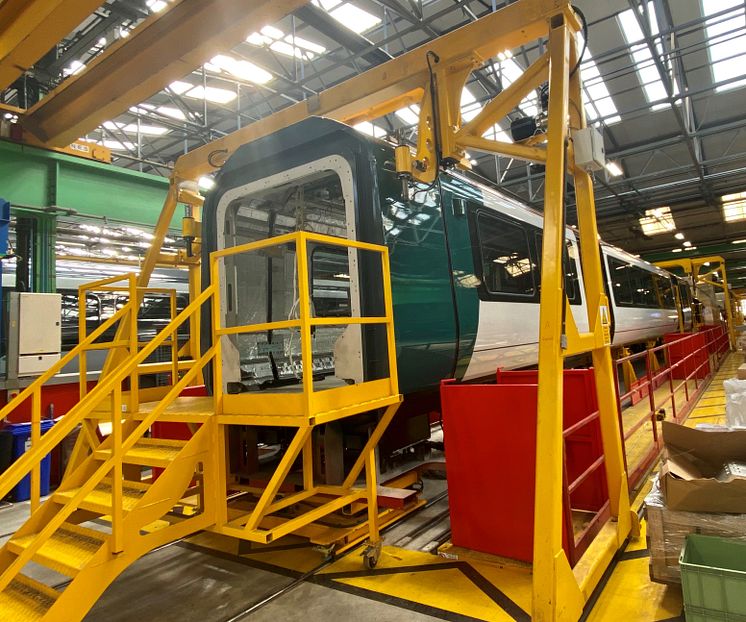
column 165, row 47
column 389, row 86
column 30, row 28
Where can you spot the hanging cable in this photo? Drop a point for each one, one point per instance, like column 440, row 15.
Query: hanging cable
column 584, row 21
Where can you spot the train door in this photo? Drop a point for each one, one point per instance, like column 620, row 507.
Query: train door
column 262, row 286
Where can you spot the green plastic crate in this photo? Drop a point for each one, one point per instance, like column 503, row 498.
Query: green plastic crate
column 713, row 578
column 695, row 614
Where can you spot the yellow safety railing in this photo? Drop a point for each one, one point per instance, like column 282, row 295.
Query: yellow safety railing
column 121, row 440
column 310, row 406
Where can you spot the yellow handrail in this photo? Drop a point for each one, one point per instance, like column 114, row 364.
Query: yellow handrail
column 19, row 469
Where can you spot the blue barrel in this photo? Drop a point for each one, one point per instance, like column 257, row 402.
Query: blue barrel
column 21, row 433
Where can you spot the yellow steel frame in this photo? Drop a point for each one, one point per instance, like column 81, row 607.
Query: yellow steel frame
column 308, row 408
column 559, row 593
column 693, row 267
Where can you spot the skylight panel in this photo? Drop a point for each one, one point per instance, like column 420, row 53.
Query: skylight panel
column 734, row 206
column 598, row 102
column 371, row 129
column 166, row 111
column 647, row 71
column 509, row 71
column 349, row 15
column 131, row 128
column 470, row 107
column 277, row 40
column 156, row 5
column 116, row 145
column 497, row 133
column 727, row 42
column 210, row 93
column 242, row 69
column 410, row 114
column 657, row 220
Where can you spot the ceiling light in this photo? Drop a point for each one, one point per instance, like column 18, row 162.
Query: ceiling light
column 706, row 263
column 156, row 5
column 676, row 250
column 657, row 220
column 687, row 244
column 743, row 241
column 678, row 235
column 242, row 69
column 734, row 206
column 123, row 32
column 206, row 183
column 75, row 68
column 614, row 169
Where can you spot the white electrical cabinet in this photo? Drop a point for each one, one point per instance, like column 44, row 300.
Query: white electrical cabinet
column 35, row 333
column 588, row 147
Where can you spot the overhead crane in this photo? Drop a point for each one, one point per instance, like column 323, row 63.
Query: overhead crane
column 433, row 76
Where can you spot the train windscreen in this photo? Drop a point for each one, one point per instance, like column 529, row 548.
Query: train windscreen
column 262, row 286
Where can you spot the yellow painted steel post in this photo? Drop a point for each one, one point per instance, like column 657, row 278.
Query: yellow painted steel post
column 728, row 308
column 598, row 314
column 174, row 341
column 35, row 438
column 117, row 475
column 304, row 305
column 549, row 560
column 371, row 492
column 134, row 344
column 82, row 334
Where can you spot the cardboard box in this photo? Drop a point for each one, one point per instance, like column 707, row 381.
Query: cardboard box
column 741, row 373
column 667, row 529
column 692, row 460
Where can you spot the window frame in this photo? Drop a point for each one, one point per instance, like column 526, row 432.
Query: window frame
column 484, row 293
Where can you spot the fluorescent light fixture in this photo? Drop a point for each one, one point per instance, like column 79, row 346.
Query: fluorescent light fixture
column 614, row 169
column 156, row 5
column 241, row 69
column 647, row 71
column 678, row 235
column 734, row 206
column 743, row 241
column 349, row 15
column 206, row 183
column 676, row 250
column 727, row 41
column 706, row 263
column 74, row 68
column 657, row 220
column 687, row 244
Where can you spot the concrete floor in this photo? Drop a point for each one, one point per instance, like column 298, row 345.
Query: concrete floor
column 184, row 582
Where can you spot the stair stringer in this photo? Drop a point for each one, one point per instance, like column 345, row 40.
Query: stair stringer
column 87, row 587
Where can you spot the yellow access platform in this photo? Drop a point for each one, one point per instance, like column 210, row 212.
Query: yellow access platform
column 190, row 493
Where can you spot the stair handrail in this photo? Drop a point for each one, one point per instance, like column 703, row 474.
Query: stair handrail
column 21, row 467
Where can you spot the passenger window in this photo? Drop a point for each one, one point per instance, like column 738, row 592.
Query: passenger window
column 571, row 273
column 622, row 284
column 507, row 267
column 330, row 282
column 644, row 289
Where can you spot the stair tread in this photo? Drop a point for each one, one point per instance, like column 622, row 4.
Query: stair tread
column 71, row 547
column 100, row 496
column 25, row 600
column 151, row 450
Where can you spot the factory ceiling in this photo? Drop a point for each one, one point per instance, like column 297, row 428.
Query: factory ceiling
column 664, row 80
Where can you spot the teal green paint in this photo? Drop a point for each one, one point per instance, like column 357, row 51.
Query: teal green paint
column 420, row 287
column 39, row 178
column 462, row 264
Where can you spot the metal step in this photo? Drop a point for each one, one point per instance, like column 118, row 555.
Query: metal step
column 26, row 600
column 99, row 499
column 68, row 551
column 152, row 452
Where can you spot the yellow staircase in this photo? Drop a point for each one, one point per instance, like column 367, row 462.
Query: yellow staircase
column 103, row 481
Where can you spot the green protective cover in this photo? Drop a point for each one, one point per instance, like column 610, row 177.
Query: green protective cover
column 713, row 577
